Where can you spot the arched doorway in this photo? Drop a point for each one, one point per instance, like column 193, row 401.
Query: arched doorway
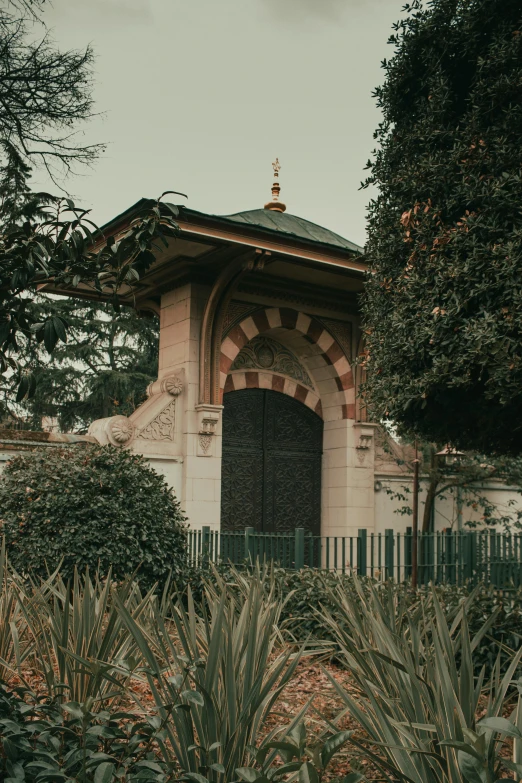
column 271, row 469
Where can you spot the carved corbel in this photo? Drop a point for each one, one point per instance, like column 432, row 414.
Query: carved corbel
column 155, row 420
column 172, row 384
column 208, row 422
column 364, row 441
column 114, row 431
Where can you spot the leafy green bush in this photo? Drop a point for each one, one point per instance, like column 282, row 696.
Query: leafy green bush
column 44, row 743
column 307, row 756
column 92, row 507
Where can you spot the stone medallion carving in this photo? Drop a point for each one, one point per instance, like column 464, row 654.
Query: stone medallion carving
column 120, row 430
column 162, row 427
column 173, row 385
column 264, row 353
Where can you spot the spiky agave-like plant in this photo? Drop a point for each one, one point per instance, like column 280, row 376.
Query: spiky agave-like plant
column 426, row 717
column 213, row 674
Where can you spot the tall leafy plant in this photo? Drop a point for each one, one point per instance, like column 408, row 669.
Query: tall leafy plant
column 426, row 717
column 81, row 644
column 212, row 675
column 14, row 643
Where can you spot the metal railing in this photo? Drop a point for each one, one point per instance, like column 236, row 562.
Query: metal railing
column 450, row 557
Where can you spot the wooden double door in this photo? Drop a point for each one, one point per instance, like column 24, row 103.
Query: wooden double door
column 271, row 474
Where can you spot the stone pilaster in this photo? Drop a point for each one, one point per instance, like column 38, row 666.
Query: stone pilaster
column 348, row 478
column 180, row 437
column 200, row 426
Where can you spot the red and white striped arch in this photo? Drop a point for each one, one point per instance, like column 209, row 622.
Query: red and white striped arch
column 253, row 379
column 327, row 362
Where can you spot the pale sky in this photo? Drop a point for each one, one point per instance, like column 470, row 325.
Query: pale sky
column 200, row 96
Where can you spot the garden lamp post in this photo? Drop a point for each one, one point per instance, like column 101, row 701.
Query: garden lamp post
column 415, row 522
column 451, row 458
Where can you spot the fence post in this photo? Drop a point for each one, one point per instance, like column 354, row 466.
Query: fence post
column 388, row 553
column 299, row 551
column 450, row 575
column 205, row 544
column 493, row 559
column 407, row 553
column 249, row 545
column 470, row 562
column 362, row 540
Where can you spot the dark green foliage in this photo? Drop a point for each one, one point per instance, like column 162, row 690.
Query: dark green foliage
column 308, row 595
column 44, row 742
column 443, row 301
column 102, row 370
column 299, row 752
column 47, row 240
column 91, row 506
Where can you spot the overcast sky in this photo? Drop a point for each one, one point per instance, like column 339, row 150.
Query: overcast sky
column 200, row 96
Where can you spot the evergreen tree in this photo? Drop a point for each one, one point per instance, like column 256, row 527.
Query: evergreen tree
column 103, row 369
column 443, row 301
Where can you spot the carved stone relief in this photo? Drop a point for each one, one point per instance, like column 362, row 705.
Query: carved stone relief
column 236, row 312
column 342, row 331
column 264, row 353
column 162, row 427
column 205, row 442
column 364, row 436
column 172, row 384
column 208, row 421
column 119, row 430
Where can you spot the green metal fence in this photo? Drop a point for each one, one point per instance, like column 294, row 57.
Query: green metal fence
column 449, row 556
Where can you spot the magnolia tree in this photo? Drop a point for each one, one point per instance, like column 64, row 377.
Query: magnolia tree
column 443, row 301
column 46, row 94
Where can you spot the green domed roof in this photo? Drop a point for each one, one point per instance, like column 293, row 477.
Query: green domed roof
column 291, row 225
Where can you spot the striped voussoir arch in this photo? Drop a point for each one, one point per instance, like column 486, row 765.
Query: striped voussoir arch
column 257, row 379
column 338, row 392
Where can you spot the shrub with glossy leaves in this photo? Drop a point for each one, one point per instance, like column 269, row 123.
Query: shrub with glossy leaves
column 90, row 507
column 45, row 742
column 443, row 301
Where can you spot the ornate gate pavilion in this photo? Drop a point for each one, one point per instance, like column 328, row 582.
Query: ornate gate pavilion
column 254, row 418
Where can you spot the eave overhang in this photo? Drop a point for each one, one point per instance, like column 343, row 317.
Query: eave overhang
column 217, row 238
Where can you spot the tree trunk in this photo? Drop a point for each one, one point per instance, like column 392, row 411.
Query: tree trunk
column 430, row 499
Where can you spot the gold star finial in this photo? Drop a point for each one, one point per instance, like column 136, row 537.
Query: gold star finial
column 275, row 205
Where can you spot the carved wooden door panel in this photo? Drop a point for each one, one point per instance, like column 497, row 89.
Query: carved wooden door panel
column 271, row 476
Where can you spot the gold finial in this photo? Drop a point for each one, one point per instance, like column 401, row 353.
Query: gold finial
column 275, row 205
